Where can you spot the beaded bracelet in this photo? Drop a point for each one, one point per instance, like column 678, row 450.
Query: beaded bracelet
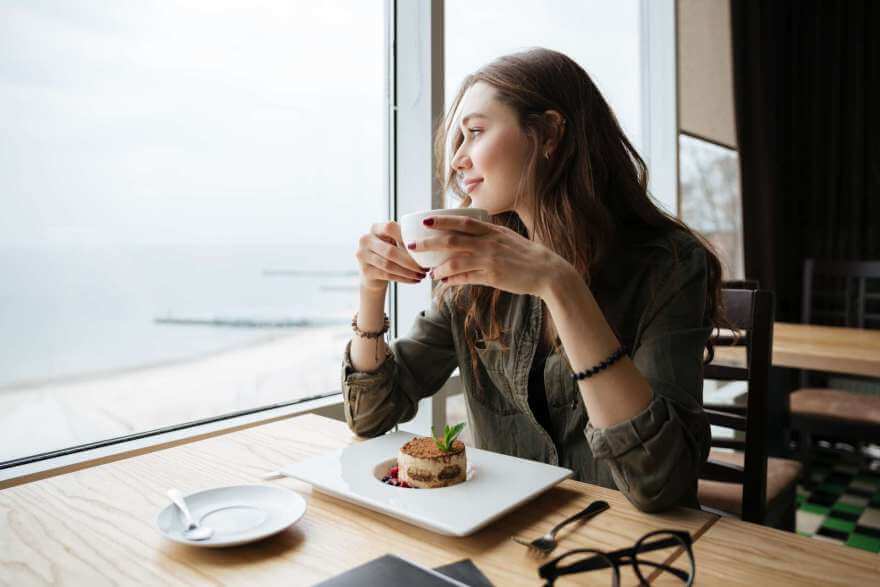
column 385, row 326
column 354, row 326
column 615, row 356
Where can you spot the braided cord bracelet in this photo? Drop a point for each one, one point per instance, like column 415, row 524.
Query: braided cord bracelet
column 615, row 356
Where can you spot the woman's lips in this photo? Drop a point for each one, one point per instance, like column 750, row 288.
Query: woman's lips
column 471, row 184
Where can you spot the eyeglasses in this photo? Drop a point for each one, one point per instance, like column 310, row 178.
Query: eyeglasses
column 584, row 560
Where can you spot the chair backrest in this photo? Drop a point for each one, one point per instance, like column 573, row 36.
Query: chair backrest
column 839, row 293
column 751, row 313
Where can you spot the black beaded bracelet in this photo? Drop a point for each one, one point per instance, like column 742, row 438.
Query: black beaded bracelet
column 615, row 356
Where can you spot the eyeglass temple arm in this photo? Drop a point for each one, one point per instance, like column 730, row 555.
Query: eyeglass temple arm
column 597, row 562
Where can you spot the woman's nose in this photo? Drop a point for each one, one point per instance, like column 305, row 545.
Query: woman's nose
column 460, row 161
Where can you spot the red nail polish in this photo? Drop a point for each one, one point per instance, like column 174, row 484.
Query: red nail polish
column 444, row 279
column 411, row 246
column 428, row 222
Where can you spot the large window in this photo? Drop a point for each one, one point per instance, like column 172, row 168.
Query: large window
column 710, row 203
column 182, row 189
column 710, row 199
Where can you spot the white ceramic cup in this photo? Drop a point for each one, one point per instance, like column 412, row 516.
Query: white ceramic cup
column 412, row 229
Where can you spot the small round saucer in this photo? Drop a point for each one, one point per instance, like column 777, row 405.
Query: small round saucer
column 237, row 514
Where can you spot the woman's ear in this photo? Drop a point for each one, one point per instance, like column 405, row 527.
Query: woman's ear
column 556, row 128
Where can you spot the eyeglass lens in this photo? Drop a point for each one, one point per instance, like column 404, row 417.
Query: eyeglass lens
column 664, row 555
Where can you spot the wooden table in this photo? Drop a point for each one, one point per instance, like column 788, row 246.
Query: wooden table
column 819, row 348
column 732, row 552
column 95, row 526
column 827, row 348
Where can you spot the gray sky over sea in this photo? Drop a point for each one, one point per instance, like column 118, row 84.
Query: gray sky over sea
column 223, row 121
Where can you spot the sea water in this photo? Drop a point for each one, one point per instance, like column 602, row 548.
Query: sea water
column 79, row 310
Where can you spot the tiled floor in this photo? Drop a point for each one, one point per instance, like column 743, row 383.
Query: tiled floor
column 840, row 502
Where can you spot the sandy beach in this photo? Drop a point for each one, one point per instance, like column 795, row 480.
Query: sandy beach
column 61, row 414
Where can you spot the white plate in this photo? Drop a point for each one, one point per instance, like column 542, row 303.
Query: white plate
column 238, row 514
column 496, row 485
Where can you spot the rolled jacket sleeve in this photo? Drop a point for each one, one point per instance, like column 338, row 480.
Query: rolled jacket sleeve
column 416, row 367
column 656, row 456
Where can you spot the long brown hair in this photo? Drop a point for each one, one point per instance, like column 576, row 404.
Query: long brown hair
column 592, row 190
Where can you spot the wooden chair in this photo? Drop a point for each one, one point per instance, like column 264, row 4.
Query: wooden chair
column 837, row 293
column 745, row 482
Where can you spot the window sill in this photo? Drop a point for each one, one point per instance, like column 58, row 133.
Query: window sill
column 330, row 406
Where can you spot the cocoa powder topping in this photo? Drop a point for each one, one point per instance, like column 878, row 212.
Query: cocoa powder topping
column 426, row 448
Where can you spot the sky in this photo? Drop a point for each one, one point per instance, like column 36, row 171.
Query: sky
column 602, row 36
column 232, row 121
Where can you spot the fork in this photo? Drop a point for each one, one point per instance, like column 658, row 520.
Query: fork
column 545, row 544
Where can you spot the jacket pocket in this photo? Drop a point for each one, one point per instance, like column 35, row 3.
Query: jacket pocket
column 492, row 354
column 494, row 391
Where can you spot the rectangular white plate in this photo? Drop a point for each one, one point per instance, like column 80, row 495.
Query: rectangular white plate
column 497, row 484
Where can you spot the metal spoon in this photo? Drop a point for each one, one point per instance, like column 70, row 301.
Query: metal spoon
column 193, row 531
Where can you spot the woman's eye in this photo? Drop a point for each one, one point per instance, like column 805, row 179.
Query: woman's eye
column 474, row 131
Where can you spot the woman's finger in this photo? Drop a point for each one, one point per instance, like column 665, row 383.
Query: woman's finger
column 475, row 277
column 389, row 232
column 460, row 264
column 386, row 230
column 376, row 273
column 390, row 267
column 373, row 272
column 464, row 224
column 447, row 242
column 396, row 255
column 392, row 228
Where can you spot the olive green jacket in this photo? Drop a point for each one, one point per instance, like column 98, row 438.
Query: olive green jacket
column 653, row 296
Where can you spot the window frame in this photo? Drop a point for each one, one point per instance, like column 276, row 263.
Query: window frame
column 658, row 49
column 414, row 101
column 417, row 103
column 101, row 452
column 47, row 464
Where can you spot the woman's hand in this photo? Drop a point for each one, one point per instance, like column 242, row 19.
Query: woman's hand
column 492, row 255
column 382, row 258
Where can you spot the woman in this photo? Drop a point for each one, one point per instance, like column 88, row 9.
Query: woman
column 577, row 273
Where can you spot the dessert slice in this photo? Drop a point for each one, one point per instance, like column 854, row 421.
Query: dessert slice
column 423, row 463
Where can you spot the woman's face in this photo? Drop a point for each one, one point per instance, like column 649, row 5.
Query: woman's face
column 494, row 152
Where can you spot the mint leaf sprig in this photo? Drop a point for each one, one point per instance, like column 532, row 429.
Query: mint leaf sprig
column 444, row 443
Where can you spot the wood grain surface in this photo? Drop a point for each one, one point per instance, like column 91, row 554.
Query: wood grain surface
column 96, row 526
column 732, row 552
column 852, row 351
column 827, row 348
